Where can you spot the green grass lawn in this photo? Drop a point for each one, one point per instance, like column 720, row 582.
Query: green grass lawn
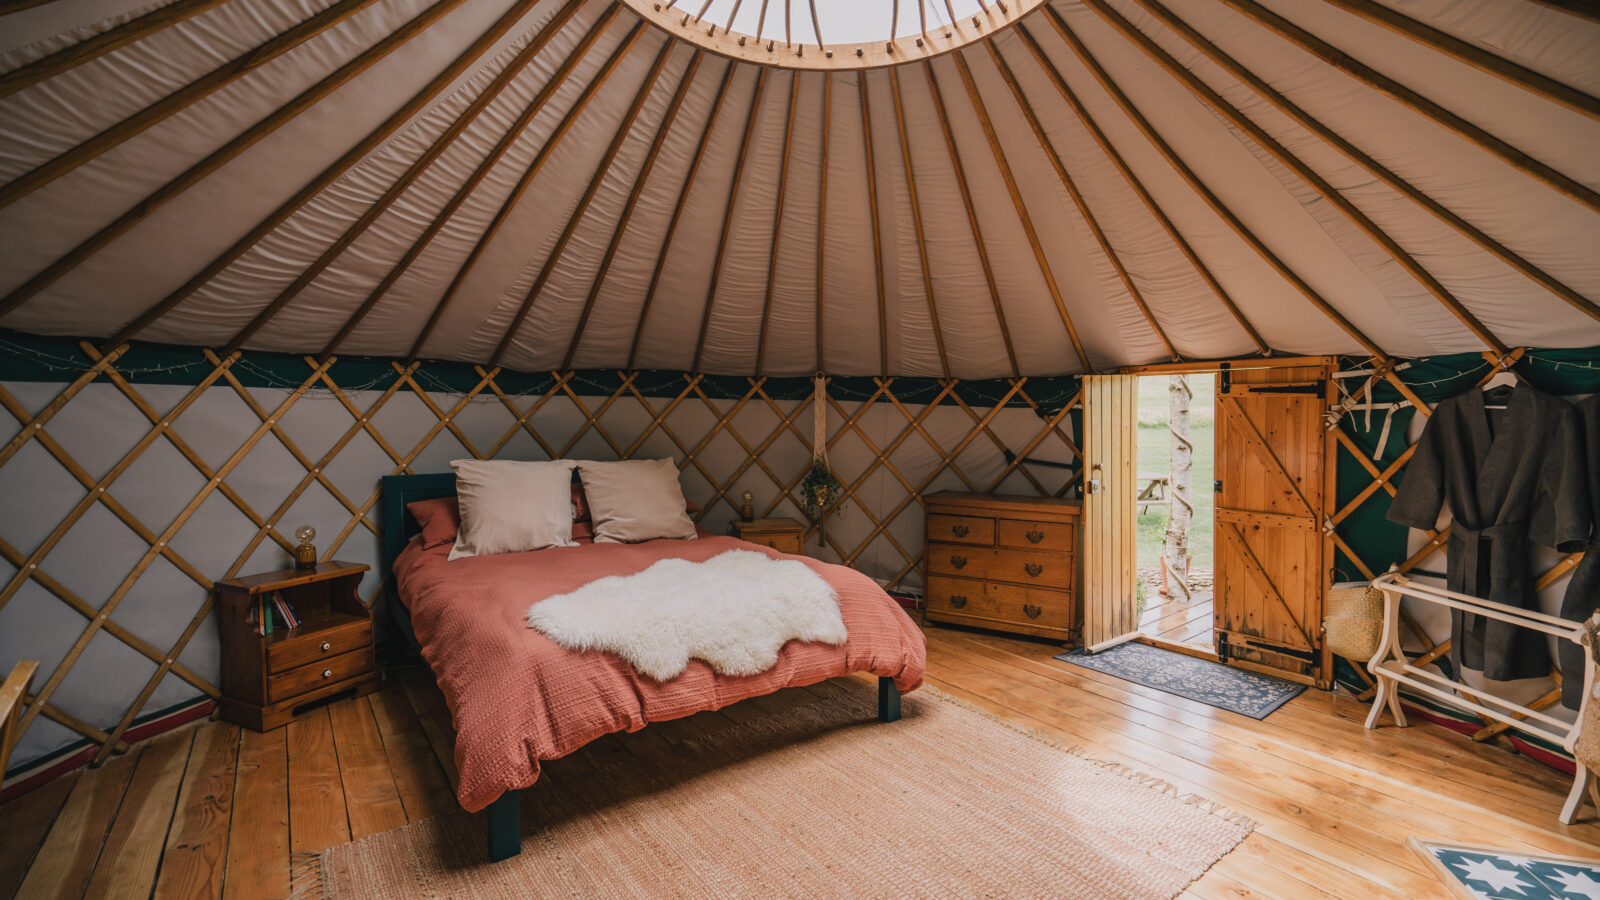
column 1155, row 457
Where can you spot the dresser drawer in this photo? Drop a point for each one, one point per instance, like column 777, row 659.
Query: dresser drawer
column 323, row 643
column 961, row 529
column 286, row 685
column 958, row 560
column 1061, row 536
column 1040, row 568
column 957, row 594
column 1030, row 606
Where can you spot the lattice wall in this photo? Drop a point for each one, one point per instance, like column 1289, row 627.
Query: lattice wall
column 123, row 499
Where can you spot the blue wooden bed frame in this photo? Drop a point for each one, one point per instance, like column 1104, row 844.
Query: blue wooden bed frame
column 505, row 813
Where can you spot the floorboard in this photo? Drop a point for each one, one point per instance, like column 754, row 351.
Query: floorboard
column 1334, row 803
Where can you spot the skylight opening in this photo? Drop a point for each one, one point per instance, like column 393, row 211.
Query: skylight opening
column 832, row 33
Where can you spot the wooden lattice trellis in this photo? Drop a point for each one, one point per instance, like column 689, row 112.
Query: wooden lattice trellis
column 445, row 403
column 1383, row 479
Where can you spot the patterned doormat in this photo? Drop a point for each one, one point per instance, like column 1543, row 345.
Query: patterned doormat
column 1214, row 684
column 1485, row 873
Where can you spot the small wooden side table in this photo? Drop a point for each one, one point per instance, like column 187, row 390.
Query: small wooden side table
column 784, row 535
column 267, row 678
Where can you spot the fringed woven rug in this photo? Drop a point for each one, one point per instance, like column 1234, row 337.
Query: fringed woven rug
column 819, row 801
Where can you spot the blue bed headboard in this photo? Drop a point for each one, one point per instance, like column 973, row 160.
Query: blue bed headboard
column 398, row 523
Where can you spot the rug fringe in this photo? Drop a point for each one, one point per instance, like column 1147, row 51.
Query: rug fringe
column 308, row 876
column 1149, row 781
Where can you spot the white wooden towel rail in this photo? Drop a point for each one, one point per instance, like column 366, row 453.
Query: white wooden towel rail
column 1391, row 668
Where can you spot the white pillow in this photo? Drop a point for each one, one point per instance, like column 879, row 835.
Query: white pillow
column 508, row 507
column 635, row 500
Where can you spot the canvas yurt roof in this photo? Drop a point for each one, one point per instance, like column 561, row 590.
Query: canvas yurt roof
column 1037, row 188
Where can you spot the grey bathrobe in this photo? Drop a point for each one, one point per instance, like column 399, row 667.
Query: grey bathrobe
column 1510, row 475
column 1583, row 591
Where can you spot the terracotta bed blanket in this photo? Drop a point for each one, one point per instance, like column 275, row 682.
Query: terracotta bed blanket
column 517, row 698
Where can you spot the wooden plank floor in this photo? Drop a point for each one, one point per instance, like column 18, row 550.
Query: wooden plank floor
column 1178, row 621
column 210, row 812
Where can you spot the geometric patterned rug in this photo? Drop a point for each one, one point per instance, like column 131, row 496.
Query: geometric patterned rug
column 1482, row 873
column 1214, row 684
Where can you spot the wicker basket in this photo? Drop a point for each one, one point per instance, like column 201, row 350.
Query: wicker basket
column 1587, row 749
column 1354, row 621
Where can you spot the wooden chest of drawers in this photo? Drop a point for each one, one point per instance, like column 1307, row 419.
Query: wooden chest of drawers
column 1001, row 562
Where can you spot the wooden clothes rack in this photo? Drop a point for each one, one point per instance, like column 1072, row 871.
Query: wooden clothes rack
column 1391, row 668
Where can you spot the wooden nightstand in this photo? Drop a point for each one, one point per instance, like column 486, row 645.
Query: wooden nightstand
column 266, row 678
column 784, row 535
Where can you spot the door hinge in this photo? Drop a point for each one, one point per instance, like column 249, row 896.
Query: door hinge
column 1216, row 486
column 1314, row 388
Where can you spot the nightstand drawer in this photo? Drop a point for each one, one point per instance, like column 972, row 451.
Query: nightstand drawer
column 783, row 543
column 284, row 685
column 318, row 644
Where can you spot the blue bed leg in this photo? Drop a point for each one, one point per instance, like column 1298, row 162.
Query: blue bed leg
column 888, row 700
column 505, row 826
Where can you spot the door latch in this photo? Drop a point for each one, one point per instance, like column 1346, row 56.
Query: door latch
column 1216, row 486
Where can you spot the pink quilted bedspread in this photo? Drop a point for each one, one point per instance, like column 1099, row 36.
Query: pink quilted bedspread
column 517, row 698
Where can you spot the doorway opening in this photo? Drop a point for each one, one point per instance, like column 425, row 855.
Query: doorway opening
column 1174, row 504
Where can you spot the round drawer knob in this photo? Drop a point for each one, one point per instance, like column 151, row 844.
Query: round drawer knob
column 326, row 647
column 327, row 673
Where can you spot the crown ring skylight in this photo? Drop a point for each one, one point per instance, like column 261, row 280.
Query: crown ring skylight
column 832, row 34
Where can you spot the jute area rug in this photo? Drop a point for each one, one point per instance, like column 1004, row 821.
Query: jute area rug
column 819, row 801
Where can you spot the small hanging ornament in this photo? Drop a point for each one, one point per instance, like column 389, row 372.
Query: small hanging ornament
column 820, row 489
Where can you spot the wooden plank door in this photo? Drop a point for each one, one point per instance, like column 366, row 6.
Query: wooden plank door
column 1110, row 528
column 1270, row 551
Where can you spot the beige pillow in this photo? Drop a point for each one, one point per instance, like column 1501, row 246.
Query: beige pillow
column 508, row 506
column 635, row 500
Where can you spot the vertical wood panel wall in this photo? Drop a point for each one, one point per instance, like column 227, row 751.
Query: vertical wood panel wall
column 124, row 498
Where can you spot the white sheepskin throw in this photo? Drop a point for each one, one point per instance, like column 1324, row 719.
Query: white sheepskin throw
column 735, row 611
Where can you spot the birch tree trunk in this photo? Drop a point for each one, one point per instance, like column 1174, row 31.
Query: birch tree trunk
column 1175, row 548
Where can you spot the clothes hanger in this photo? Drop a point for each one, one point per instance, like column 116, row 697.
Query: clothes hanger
column 1504, row 379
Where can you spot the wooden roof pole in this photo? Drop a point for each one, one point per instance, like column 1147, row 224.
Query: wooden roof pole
column 224, row 154
column 532, row 171
column 822, row 204
column 972, row 215
column 677, row 210
column 727, row 218
column 1485, row 141
column 1150, row 203
column 624, row 128
column 1199, row 187
column 414, row 171
column 100, row 44
column 1079, row 200
column 355, row 154
column 877, row 236
column 777, row 220
column 1583, row 9
column 1022, row 209
column 1474, row 55
column 916, row 214
column 1204, row 91
column 178, row 100
column 1306, row 120
column 685, row 81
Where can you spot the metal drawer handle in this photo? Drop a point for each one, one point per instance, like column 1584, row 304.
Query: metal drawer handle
column 959, row 562
column 1030, row 611
column 1033, row 569
column 327, row 673
column 958, row 600
column 1034, row 536
column 959, row 530
column 325, row 647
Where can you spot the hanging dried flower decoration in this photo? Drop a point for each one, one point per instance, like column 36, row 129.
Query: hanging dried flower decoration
column 820, row 489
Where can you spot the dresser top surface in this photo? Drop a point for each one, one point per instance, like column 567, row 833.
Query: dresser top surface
column 1001, row 502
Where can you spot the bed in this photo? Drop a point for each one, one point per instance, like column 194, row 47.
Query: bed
column 516, row 698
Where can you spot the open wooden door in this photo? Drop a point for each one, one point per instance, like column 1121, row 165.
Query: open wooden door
column 1110, row 527
column 1270, row 551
